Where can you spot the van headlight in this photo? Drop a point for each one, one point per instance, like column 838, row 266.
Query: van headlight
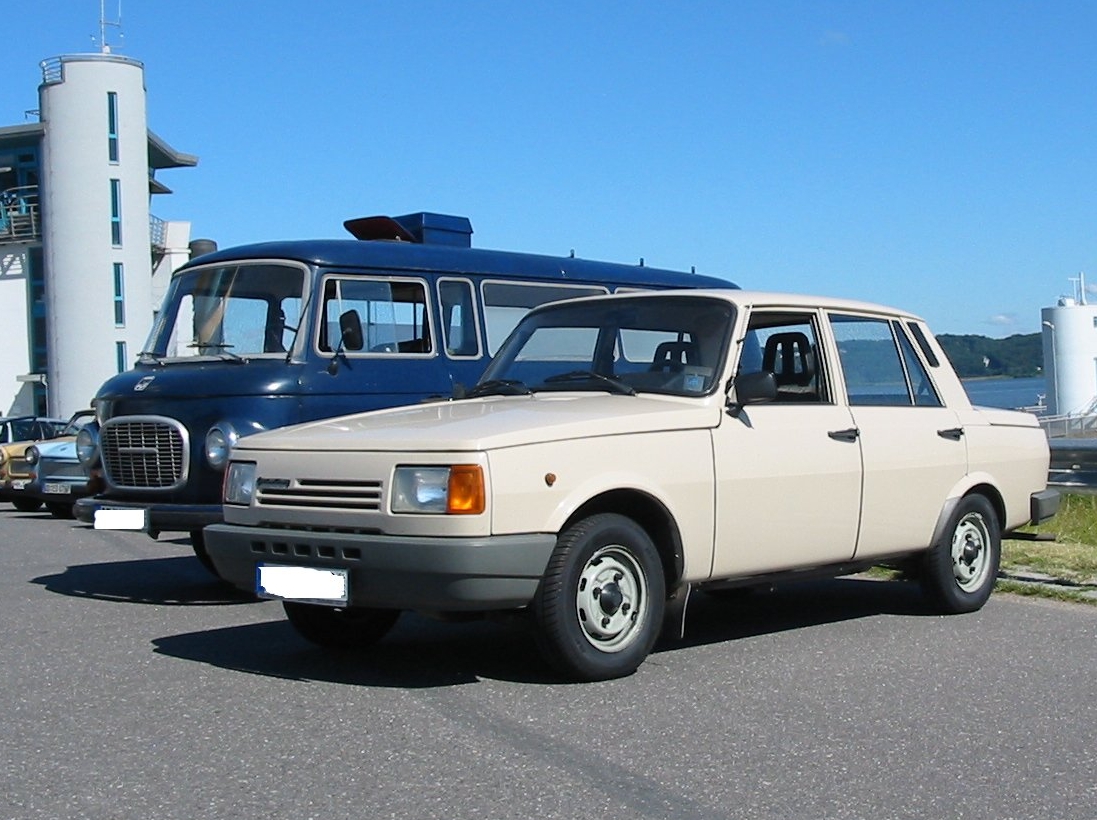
column 219, row 443
column 87, row 445
column 450, row 490
column 240, row 483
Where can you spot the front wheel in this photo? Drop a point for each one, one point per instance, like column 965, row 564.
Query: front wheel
column 198, row 544
column 59, row 509
column 959, row 572
column 26, row 504
column 345, row 628
column 599, row 607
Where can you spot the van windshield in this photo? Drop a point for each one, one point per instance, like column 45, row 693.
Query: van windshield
column 229, row 311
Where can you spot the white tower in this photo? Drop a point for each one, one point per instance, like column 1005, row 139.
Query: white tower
column 95, row 205
column 1070, row 353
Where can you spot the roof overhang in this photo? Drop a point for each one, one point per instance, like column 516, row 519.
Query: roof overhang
column 162, row 155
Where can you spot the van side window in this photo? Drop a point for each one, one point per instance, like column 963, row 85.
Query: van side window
column 459, row 326
column 879, row 364
column 507, row 302
column 786, row 345
column 393, row 314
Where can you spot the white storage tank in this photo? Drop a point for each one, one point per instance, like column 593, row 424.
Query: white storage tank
column 1070, row 354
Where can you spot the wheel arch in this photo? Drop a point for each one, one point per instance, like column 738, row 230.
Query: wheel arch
column 985, row 489
column 651, row 515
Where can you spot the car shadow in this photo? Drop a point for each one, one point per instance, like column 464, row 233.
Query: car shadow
column 180, row 581
column 423, row 653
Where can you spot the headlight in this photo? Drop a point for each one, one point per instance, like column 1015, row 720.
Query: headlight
column 240, row 483
column 31, row 455
column 456, row 490
column 87, row 445
column 219, row 442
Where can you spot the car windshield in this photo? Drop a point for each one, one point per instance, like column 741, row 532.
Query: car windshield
column 645, row 344
column 231, row 311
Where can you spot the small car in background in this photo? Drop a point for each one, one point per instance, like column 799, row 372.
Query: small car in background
column 17, row 433
column 58, row 477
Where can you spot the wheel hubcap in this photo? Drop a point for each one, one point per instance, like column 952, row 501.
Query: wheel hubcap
column 611, row 599
column 971, row 553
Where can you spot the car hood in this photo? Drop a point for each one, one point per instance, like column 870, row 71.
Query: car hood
column 63, row 447
column 491, row 423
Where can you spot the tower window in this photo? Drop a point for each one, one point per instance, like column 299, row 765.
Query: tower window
column 112, row 126
column 116, row 212
column 119, row 296
column 120, row 354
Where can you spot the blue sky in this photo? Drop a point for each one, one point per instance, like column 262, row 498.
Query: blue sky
column 939, row 156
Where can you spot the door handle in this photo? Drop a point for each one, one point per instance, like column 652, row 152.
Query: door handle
column 845, row 435
column 954, row 433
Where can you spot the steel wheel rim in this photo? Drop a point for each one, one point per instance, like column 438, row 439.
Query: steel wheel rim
column 611, row 599
column 971, row 552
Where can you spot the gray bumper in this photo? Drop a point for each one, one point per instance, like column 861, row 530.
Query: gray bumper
column 395, row 572
column 1043, row 505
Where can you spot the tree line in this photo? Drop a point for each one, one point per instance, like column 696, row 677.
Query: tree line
column 1020, row 355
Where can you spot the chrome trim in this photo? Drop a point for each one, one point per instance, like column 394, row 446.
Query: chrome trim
column 127, row 443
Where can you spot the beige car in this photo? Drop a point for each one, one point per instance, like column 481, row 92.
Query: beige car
column 623, row 451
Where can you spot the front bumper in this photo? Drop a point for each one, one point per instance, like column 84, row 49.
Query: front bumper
column 394, row 572
column 160, row 517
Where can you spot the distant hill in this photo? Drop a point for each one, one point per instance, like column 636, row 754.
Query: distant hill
column 1017, row 355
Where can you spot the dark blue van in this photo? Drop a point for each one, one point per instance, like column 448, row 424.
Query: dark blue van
column 261, row 336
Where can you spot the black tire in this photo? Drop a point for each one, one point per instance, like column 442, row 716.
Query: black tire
column 26, row 504
column 599, row 608
column 346, row 629
column 198, row 544
column 959, row 572
column 59, row 509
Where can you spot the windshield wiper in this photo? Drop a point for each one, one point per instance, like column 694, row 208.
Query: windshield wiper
column 148, row 355
column 224, row 353
column 499, row 387
column 588, row 375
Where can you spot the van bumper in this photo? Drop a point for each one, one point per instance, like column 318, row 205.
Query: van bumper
column 394, row 572
column 158, row 517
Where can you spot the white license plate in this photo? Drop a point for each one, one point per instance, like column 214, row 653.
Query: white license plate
column 121, row 519
column 301, row 583
column 57, row 489
column 19, row 484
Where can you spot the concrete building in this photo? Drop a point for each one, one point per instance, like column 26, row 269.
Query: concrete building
column 83, row 263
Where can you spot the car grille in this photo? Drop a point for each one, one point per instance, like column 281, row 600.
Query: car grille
column 144, row 453
column 62, row 469
column 326, row 493
column 18, row 468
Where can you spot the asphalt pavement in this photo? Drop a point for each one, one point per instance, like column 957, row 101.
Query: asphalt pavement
column 136, row 686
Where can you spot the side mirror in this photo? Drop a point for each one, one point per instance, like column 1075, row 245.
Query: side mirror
column 752, row 388
column 350, row 331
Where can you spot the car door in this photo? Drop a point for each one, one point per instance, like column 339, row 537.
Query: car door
column 788, row 472
column 912, row 445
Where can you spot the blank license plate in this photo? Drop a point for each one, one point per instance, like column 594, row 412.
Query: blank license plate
column 106, row 519
column 57, row 489
column 301, row 583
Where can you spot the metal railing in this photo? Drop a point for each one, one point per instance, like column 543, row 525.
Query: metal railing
column 20, row 218
column 158, row 233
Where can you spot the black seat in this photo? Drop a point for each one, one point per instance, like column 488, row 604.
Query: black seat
column 674, row 356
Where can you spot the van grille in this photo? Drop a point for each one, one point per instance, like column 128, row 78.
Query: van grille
column 317, row 493
column 144, row 453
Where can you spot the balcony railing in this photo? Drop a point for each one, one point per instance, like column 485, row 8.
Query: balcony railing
column 20, row 219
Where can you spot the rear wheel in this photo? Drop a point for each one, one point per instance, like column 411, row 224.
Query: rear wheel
column 26, row 504
column 959, row 573
column 599, row 607
column 335, row 628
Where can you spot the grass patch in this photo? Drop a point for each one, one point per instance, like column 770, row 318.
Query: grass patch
column 1073, row 553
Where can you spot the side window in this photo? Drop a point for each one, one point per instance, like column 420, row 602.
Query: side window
column 459, row 325
column 507, row 302
column 393, row 314
column 786, row 345
column 879, row 364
